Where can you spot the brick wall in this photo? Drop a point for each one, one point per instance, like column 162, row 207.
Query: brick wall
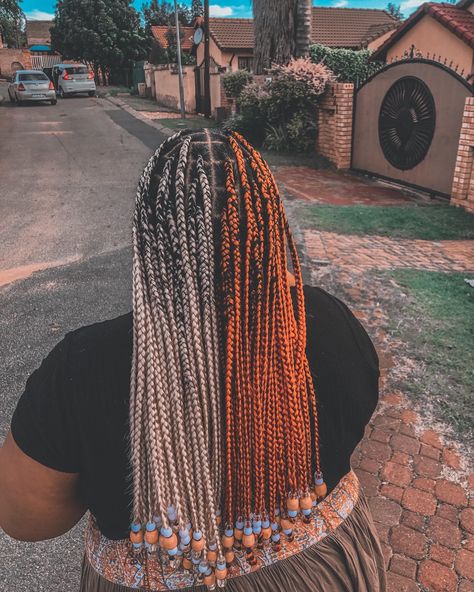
column 335, row 124
column 462, row 193
column 9, row 56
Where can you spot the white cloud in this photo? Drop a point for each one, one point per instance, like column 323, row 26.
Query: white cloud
column 340, row 3
column 39, row 15
column 216, row 10
column 409, row 4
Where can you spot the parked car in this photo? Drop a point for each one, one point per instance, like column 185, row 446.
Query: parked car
column 70, row 79
column 31, row 85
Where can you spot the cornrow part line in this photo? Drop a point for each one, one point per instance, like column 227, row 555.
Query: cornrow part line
column 211, row 305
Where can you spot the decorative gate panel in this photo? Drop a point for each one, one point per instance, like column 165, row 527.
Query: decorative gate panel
column 407, row 121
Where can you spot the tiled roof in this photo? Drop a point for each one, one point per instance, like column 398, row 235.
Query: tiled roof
column 350, row 27
column 335, row 27
column 454, row 17
column 457, row 20
column 159, row 33
column 232, row 33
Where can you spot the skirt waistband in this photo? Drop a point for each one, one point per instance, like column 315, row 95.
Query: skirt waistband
column 115, row 561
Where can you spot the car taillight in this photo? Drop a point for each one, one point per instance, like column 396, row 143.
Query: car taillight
column 65, row 76
column 21, row 86
column 51, row 85
column 90, row 76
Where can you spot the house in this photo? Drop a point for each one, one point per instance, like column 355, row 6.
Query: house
column 38, row 39
column 232, row 40
column 38, row 36
column 160, row 34
column 438, row 31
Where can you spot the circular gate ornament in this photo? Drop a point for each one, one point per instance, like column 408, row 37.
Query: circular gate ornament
column 407, row 122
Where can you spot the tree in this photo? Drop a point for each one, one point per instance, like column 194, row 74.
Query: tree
column 162, row 13
column 282, row 30
column 395, row 10
column 197, row 8
column 105, row 33
column 303, row 27
column 12, row 22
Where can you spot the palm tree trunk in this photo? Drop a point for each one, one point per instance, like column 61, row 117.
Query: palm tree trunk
column 303, row 27
column 275, row 32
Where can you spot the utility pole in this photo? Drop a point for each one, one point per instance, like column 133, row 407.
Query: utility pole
column 180, row 66
column 207, row 76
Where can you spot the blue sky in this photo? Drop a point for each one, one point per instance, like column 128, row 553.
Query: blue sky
column 44, row 9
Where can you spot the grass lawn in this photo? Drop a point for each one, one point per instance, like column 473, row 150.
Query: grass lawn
column 437, row 324
column 188, row 123
column 433, row 222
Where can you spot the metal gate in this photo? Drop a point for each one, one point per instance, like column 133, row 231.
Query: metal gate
column 407, row 122
column 199, row 88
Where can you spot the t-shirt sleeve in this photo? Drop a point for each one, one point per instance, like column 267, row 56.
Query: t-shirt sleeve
column 43, row 424
column 361, row 338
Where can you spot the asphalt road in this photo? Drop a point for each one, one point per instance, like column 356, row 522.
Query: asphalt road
column 67, row 178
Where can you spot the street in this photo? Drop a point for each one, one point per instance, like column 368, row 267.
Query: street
column 68, row 175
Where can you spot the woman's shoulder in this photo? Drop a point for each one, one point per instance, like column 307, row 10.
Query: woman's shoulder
column 108, row 334
column 334, row 332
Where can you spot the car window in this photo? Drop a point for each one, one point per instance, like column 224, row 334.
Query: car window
column 32, row 76
column 77, row 70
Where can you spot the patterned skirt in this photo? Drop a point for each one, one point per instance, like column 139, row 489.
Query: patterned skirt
column 337, row 551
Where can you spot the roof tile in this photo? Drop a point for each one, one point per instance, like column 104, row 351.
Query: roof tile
column 335, row 27
column 456, row 18
column 159, row 33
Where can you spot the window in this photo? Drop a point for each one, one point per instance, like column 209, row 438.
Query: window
column 32, row 76
column 77, row 70
column 246, row 63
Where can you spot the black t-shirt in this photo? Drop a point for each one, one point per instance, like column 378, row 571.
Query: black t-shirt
column 73, row 414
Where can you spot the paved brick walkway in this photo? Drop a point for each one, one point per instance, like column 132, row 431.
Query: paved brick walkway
column 336, row 187
column 361, row 253
column 421, row 499
column 419, row 486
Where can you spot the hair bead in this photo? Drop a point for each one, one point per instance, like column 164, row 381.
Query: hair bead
column 197, row 542
column 293, row 503
column 209, row 578
column 168, row 539
column 320, row 487
column 221, row 570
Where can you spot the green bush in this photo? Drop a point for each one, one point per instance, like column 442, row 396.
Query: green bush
column 234, row 82
column 251, row 119
column 281, row 113
column 348, row 65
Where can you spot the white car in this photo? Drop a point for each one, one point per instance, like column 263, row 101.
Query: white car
column 31, row 85
column 70, row 79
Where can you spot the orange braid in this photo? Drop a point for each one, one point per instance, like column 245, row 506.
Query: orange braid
column 271, row 415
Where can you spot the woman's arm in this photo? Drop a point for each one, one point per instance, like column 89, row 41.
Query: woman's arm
column 36, row 502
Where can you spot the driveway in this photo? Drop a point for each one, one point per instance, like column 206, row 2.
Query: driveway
column 68, row 175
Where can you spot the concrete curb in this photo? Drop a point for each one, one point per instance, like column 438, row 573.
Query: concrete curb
column 123, row 105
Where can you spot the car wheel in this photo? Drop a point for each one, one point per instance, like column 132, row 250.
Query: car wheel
column 61, row 93
column 91, row 93
column 54, row 101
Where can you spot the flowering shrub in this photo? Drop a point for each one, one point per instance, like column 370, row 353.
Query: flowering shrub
column 281, row 112
column 312, row 77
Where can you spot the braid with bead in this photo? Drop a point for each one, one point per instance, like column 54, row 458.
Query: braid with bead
column 223, row 417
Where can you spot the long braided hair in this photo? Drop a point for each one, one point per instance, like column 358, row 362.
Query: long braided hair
column 223, row 419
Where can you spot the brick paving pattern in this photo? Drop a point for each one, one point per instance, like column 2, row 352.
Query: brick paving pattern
column 421, row 500
column 361, row 253
column 336, row 187
column 419, row 486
